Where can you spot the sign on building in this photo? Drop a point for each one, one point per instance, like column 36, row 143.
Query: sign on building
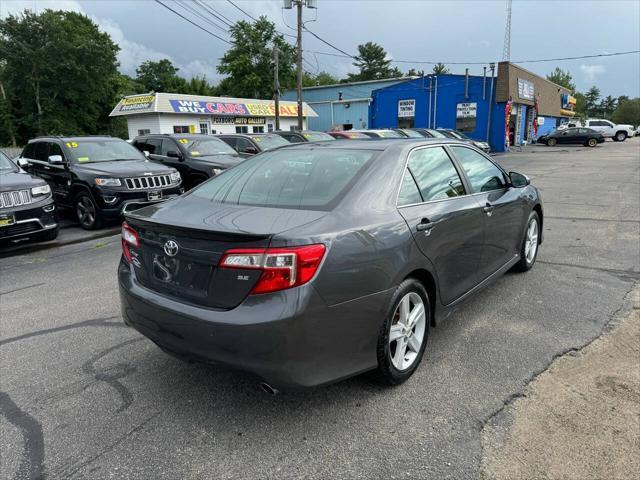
column 525, row 89
column 407, row 108
column 139, row 102
column 466, row 114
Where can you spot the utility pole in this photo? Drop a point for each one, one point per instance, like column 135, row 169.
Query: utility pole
column 299, row 6
column 492, row 66
column 276, row 85
column 288, row 4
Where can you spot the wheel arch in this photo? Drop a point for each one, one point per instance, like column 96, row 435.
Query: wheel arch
column 538, row 209
column 76, row 188
column 429, row 283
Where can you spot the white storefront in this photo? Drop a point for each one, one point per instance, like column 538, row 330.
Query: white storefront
column 177, row 113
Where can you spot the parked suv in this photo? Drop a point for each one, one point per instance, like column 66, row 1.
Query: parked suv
column 618, row 133
column 196, row 157
column 100, row 178
column 248, row 144
column 300, row 136
column 26, row 205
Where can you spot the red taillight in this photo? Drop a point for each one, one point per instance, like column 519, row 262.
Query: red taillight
column 129, row 239
column 282, row 268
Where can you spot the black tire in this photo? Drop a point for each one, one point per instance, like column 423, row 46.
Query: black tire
column 524, row 264
column 620, row 136
column 552, row 142
column 592, row 142
column 387, row 373
column 87, row 212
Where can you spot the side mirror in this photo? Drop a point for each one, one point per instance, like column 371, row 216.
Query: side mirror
column 146, row 153
column 55, row 159
column 174, row 154
column 250, row 150
column 518, row 180
column 22, row 163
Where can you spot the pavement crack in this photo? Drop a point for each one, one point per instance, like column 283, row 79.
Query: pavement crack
column 628, row 274
column 32, row 464
column 587, row 219
column 21, row 288
column 112, row 375
column 95, row 322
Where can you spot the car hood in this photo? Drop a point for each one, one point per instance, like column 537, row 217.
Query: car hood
column 191, row 212
column 123, row 168
column 223, row 160
column 18, row 180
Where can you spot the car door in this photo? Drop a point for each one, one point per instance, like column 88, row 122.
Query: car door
column 59, row 174
column 504, row 210
column 246, row 148
column 447, row 223
column 173, row 156
column 153, row 145
column 566, row 136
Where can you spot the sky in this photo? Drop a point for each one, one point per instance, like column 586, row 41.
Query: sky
column 413, row 30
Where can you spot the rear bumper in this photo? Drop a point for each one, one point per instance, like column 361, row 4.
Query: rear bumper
column 290, row 339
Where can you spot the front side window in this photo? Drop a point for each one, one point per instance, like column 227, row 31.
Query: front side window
column 435, row 174
column 200, row 147
column 311, row 179
column 54, row 149
column 42, row 151
column 483, row 175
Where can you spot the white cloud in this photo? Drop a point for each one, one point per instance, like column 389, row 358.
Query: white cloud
column 131, row 53
column 591, row 71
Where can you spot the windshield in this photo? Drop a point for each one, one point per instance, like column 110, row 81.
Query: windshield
column 317, row 136
column 436, row 133
column 388, row 134
column 300, row 178
column 459, row 135
column 206, row 146
column 267, row 142
column 101, row 150
column 6, row 164
column 412, row 134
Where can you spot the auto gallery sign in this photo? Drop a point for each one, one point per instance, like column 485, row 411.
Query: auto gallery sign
column 228, row 108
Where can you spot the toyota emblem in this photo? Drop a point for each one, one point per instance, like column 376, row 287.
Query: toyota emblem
column 171, row 248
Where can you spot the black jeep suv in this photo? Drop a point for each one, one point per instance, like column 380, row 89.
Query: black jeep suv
column 100, row 178
column 196, row 157
column 26, row 206
column 249, row 144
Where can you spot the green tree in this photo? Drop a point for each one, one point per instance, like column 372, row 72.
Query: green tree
column 562, row 78
column 591, row 101
column 628, row 112
column 440, row 69
column 373, row 64
column 160, row 76
column 59, row 69
column 607, row 106
column 249, row 65
column 322, row 78
column 413, row 73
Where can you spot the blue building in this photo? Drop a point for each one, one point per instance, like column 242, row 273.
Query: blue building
column 475, row 105
column 343, row 106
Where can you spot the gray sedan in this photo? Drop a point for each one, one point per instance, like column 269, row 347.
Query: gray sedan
column 317, row 262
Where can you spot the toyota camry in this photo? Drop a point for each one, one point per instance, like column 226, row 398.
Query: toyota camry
column 313, row 263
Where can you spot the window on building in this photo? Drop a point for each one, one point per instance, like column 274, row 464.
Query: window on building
column 204, row 128
column 244, row 129
column 406, row 122
column 483, row 174
column 181, row 129
column 259, row 129
column 435, row 174
column 269, row 127
column 144, row 131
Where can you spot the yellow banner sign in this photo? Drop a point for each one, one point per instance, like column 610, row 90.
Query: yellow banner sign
column 262, row 110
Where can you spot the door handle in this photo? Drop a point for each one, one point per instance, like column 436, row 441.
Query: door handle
column 425, row 226
column 488, row 209
column 47, row 168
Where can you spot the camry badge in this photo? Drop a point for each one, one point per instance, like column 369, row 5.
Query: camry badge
column 171, row 248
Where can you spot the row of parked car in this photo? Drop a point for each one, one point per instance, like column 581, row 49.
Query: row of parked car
column 101, row 178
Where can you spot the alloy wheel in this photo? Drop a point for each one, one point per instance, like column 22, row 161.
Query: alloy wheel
column 86, row 211
column 407, row 331
column 531, row 242
column 592, row 142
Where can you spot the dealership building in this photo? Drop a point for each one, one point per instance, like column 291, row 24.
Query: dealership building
column 179, row 113
column 513, row 107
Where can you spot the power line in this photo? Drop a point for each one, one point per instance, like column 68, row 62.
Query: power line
column 215, row 13
column 191, row 9
column 328, row 44
column 193, row 23
column 247, row 14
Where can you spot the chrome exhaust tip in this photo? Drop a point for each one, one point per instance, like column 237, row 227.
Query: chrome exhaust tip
column 269, row 389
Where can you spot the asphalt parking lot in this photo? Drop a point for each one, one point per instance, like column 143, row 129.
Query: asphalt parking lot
column 83, row 396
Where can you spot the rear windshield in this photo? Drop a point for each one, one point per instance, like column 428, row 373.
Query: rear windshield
column 317, row 136
column 267, row 142
column 101, row 150
column 206, row 146
column 300, row 178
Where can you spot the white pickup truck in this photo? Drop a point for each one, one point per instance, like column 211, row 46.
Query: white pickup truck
column 618, row 133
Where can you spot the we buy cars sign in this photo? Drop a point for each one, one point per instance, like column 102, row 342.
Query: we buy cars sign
column 232, row 108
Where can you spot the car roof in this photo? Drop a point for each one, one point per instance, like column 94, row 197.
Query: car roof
column 73, row 139
column 379, row 144
column 177, row 135
column 249, row 135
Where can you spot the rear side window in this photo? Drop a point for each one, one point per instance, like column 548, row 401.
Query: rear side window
column 306, row 179
column 483, row 175
column 435, row 174
column 409, row 193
